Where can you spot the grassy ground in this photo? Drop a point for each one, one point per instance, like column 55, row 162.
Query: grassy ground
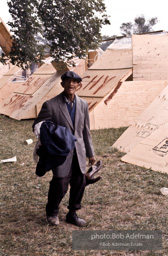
column 126, row 198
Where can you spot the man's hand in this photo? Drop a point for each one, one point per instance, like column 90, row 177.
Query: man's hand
column 92, row 160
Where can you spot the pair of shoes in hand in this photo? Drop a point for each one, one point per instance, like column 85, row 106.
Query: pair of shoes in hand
column 90, row 179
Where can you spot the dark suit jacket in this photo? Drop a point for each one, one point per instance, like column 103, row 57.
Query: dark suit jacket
column 56, row 110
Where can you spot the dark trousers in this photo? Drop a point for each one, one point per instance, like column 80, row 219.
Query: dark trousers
column 59, row 186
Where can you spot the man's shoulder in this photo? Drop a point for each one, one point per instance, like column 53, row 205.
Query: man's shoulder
column 82, row 101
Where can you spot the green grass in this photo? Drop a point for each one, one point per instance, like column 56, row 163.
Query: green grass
column 126, row 198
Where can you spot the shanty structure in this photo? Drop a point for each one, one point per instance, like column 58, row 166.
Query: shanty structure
column 118, row 86
column 22, row 94
column 103, row 79
column 154, row 116
column 126, row 100
column 150, row 57
column 146, row 143
column 23, row 99
column 146, row 140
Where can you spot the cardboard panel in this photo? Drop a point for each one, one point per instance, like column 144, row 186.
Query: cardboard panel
column 150, row 57
column 153, row 117
column 152, row 152
column 114, row 59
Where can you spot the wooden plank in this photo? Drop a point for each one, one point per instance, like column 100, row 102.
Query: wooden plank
column 152, row 152
column 99, row 83
column 150, row 57
column 5, row 38
column 154, row 116
column 114, row 59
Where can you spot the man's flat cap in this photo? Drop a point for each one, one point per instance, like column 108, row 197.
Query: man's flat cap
column 71, row 74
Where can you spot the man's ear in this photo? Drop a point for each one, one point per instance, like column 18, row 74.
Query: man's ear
column 79, row 86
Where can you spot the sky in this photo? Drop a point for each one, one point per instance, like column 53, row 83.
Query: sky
column 121, row 11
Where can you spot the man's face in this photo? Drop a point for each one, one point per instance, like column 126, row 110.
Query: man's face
column 70, row 85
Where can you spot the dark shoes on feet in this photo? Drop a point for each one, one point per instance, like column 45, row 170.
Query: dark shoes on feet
column 70, row 218
column 53, row 220
column 75, row 220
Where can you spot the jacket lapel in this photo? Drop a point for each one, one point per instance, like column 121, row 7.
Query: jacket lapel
column 64, row 110
column 77, row 113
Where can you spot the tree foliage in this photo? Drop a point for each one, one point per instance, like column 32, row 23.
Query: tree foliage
column 25, row 28
column 140, row 26
column 64, row 28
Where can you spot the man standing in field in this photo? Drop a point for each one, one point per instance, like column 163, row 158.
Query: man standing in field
column 70, row 111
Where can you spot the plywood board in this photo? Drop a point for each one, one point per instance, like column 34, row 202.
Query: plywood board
column 8, row 76
column 152, row 152
column 154, row 116
column 5, row 38
column 80, row 67
column 150, row 57
column 93, row 100
column 15, row 94
column 114, row 59
column 123, row 106
column 32, row 84
column 21, row 103
column 3, row 69
column 98, row 83
column 7, row 90
column 45, row 69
